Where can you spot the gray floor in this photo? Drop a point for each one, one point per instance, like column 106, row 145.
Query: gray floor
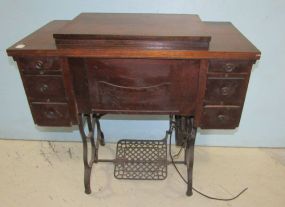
column 51, row 174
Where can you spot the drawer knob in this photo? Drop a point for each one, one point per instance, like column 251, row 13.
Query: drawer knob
column 229, row 67
column 50, row 114
column 44, row 88
column 39, row 64
column 225, row 91
column 221, row 117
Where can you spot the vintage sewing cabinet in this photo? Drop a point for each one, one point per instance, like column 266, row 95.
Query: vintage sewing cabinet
column 76, row 71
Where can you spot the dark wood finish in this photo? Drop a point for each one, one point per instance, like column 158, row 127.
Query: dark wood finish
column 120, row 25
column 201, row 91
column 226, row 42
column 79, row 81
column 45, row 88
column 153, row 31
column 116, row 79
column 220, row 117
column 195, row 71
column 134, row 44
column 39, row 65
column 228, row 91
column 67, row 81
column 229, row 66
column 43, row 82
column 52, row 114
column 150, row 86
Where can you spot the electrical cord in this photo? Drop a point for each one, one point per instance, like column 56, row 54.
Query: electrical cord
column 177, row 155
column 194, row 189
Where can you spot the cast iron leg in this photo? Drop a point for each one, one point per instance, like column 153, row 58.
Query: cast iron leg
column 179, row 138
column 189, row 131
column 100, row 133
column 85, row 138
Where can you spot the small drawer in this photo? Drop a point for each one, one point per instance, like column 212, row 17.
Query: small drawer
column 214, row 117
column 225, row 91
column 50, row 114
column 229, row 66
column 40, row 65
column 44, row 88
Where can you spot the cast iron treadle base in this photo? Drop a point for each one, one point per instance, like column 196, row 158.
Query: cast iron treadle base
column 141, row 159
column 138, row 159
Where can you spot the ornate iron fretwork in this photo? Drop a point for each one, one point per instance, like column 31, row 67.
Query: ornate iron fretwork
column 141, row 160
column 138, row 159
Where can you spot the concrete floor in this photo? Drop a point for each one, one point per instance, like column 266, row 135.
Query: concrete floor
column 51, row 174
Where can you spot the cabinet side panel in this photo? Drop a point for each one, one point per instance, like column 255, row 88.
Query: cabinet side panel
column 79, row 81
column 67, row 79
column 201, row 91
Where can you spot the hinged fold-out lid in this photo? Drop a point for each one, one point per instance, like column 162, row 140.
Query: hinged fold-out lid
column 134, row 31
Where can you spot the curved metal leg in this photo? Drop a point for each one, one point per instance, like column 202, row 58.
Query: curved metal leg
column 190, row 154
column 87, row 164
column 179, row 138
column 100, row 134
column 102, row 140
column 189, row 132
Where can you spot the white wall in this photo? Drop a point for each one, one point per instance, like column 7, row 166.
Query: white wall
column 261, row 21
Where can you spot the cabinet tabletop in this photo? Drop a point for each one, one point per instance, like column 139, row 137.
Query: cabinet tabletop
column 226, row 40
column 138, row 26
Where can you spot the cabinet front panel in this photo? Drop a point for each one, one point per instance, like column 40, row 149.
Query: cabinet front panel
column 143, row 85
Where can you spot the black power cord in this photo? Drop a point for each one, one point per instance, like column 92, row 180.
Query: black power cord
column 194, row 189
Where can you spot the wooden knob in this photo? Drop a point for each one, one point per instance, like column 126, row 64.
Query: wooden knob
column 229, row 67
column 39, row 64
column 50, row 114
column 225, row 91
column 221, row 117
column 44, row 88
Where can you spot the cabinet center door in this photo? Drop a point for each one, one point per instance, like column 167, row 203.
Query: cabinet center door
column 143, row 85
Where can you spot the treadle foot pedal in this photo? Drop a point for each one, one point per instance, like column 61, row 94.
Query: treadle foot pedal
column 141, row 159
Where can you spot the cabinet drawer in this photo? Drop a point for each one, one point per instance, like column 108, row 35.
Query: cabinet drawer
column 50, row 114
column 41, row 65
column 44, row 88
column 220, row 117
column 225, row 91
column 229, row 66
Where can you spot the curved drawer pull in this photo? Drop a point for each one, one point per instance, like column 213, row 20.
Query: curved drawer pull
column 135, row 88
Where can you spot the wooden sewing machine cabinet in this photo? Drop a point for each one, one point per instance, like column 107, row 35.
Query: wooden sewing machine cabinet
column 197, row 72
